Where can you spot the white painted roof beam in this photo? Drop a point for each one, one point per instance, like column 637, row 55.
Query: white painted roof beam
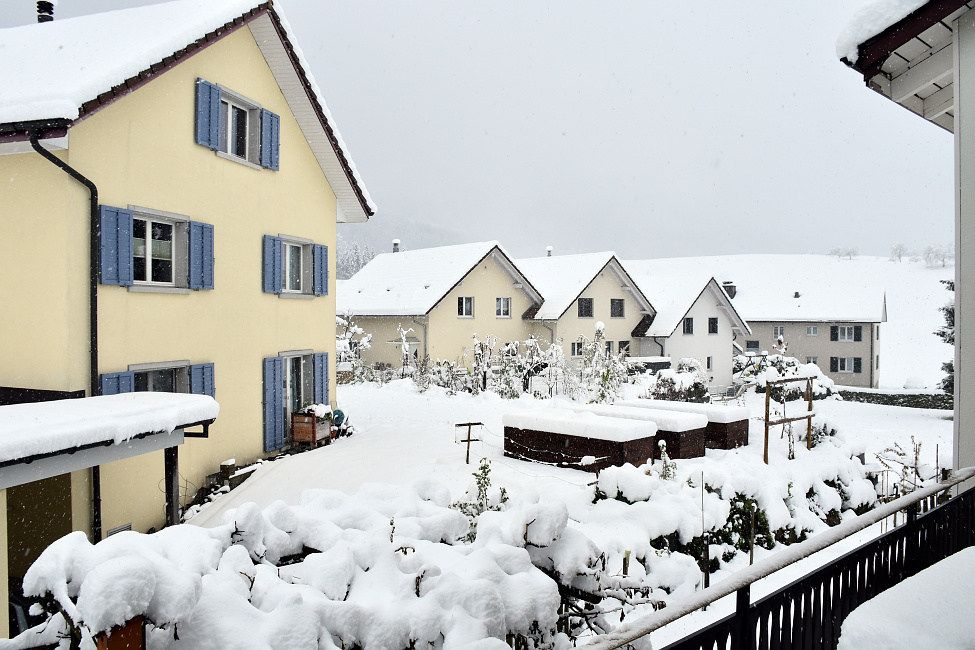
column 937, row 68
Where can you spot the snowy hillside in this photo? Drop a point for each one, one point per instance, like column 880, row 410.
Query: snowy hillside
column 910, row 354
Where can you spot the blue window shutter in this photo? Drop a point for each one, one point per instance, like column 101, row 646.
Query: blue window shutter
column 201, row 255
column 857, row 364
column 857, row 332
column 834, row 333
column 321, row 378
column 201, row 379
column 114, row 383
column 207, row 114
column 273, row 403
column 320, row 269
column 273, row 264
column 115, row 245
column 270, row 139
column 834, row 364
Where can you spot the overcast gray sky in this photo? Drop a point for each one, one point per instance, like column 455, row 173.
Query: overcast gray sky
column 654, row 129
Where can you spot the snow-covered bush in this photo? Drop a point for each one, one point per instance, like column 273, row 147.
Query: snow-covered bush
column 600, row 374
column 350, row 342
column 688, row 382
column 760, row 371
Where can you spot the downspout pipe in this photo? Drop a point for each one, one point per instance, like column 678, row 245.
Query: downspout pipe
column 423, row 325
column 94, row 236
column 551, row 332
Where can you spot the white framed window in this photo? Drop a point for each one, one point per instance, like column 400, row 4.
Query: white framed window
column 845, row 364
column 293, row 263
column 752, row 346
column 846, row 333
column 617, row 308
column 623, row 347
column 609, row 349
column 710, row 363
column 297, row 266
column 502, row 307
column 585, row 307
column 812, row 330
column 465, row 306
column 688, row 325
column 778, row 331
column 812, row 360
column 713, row 325
column 577, row 349
column 152, row 251
column 298, row 380
column 240, row 127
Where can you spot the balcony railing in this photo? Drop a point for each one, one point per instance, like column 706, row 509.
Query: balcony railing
column 807, row 614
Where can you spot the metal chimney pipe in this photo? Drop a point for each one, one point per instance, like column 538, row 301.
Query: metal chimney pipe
column 548, row 251
column 45, row 11
column 395, row 245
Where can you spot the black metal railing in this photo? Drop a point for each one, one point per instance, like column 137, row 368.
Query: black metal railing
column 807, row 614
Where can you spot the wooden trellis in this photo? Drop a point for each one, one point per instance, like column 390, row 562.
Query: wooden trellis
column 807, row 417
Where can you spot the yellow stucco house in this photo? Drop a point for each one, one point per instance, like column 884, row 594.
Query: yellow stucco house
column 171, row 185
column 445, row 295
column 581, row 291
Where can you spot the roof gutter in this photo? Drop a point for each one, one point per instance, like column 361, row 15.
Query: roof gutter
column 94, row 230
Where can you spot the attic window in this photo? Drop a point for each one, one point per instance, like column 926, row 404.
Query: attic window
column 235, row 127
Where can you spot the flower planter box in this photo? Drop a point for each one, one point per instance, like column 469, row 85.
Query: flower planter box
column 304, row 430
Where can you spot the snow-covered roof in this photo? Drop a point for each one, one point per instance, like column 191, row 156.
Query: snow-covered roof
column 674, row 295
column 870, row 20
column 68, row 68
column 903, row 49
column 411, row 283
column 830, row 289
column 44, row 428
column 561, row 278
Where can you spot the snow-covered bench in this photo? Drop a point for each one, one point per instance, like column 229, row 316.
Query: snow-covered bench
column 727, row 426
column 684, row 433
column 584, row 441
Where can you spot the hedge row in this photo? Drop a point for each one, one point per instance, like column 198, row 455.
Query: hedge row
column 914, row 401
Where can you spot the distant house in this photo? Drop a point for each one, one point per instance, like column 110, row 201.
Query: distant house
column 823, row 309
column 445, row 295
column 176, row 181
column 582, row 290
column 695, row 318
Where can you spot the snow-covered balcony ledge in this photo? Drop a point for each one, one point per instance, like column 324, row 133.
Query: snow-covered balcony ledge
column 46, row 439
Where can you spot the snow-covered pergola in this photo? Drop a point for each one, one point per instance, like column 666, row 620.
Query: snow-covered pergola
column 46, row 439
column 921, row 55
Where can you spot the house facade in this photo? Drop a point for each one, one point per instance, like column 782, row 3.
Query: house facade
column 580, row 291
column 445, row 295
column 695, row 319
column 847, row 352
column 182, row 219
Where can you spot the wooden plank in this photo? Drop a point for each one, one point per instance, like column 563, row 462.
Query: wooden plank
column 937, row 68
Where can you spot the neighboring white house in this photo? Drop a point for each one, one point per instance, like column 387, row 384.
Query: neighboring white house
column 695, row 318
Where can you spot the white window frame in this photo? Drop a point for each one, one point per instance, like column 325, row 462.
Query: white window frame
column 623, row 346
column 465, row 306
column 812, row 360
column 778, row 331
column 609, row 349
column 576, row 349
column 622, row 305
column 846, row 333
column 307, row 264
column 710, row 363
column 688, row 324
column 844, row 364
column 713, row 320
column 812, row 330
column 305, row 359
column 755, row 348
column 502, row 307
column 228, row 99
column 180, row 250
